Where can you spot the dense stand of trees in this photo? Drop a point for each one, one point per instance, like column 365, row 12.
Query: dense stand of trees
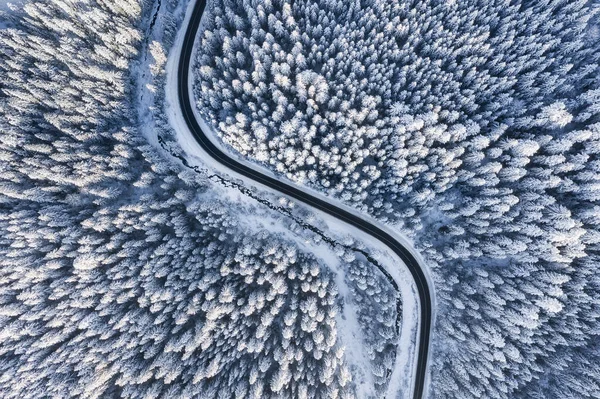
column 474, row 126
column 121, row 274
column 376, row 303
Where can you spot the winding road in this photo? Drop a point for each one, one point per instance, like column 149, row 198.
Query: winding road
column 416, row 270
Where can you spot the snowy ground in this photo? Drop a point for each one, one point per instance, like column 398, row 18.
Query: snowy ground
column 402, row 378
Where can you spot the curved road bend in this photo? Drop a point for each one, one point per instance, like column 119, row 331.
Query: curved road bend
column 296, row 193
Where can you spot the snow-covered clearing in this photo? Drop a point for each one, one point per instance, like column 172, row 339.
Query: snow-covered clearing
column 402, row 377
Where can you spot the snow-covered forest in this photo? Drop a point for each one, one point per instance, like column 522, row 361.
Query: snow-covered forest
column 125, row 274
column 471, row 126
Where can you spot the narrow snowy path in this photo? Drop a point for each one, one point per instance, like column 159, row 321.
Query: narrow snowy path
column 401, row 263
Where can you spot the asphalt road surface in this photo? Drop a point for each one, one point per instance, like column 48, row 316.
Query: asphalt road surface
column 291, row 191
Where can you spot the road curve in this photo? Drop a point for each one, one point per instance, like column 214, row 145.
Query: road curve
column 294, row 192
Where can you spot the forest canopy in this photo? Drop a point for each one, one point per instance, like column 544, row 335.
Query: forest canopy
column 122, row 274
column 471, row 126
